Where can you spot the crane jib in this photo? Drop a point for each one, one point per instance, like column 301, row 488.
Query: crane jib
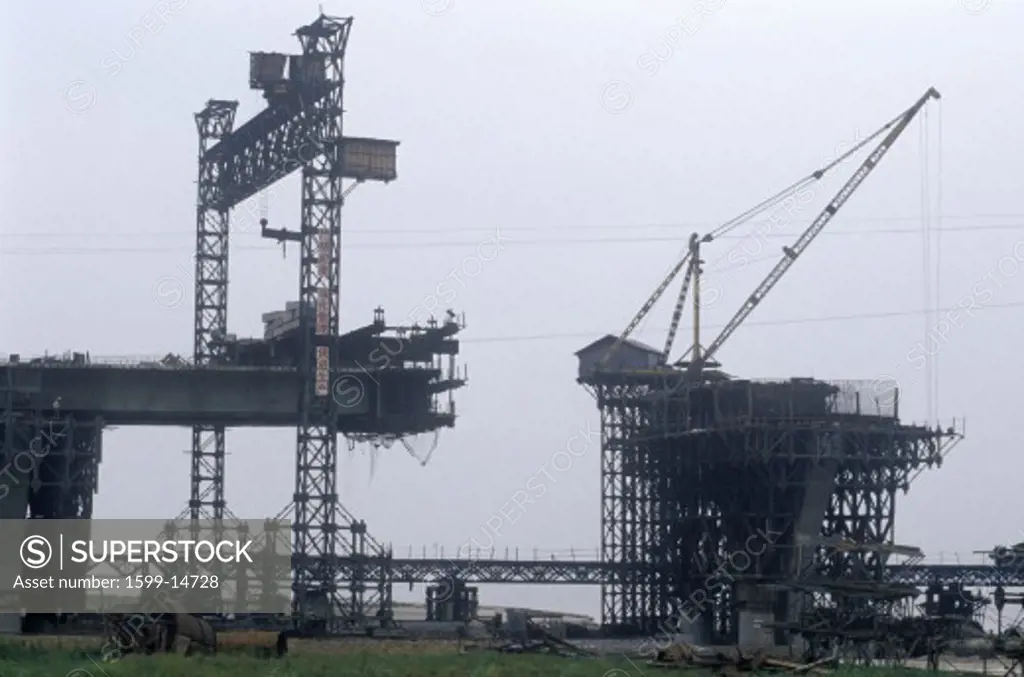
column 791, row 254
column 892, row 131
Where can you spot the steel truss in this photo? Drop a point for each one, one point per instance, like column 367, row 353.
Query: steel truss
column 440, row 570
column 592, row 572
column 967, row 575
column 214, row 122
column 705, row 486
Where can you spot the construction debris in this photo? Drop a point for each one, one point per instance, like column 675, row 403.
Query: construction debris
column 546, row 645
column 522, row 635
column 734, row 660
column 166, row 633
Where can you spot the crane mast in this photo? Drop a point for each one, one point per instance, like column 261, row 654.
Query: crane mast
column 651, row 301
column 790, row 254
column 692, row 278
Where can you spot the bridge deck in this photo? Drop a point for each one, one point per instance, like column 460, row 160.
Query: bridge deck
column 144, row 394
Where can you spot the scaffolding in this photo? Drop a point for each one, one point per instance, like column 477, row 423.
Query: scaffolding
column 712, row 489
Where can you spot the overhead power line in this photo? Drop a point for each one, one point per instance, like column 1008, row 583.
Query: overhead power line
column 678, row 225
column 49, row 250
column 750, row 323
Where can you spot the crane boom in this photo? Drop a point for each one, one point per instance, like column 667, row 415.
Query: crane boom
column 790, row 254
column 677, row 312
column 646, row 308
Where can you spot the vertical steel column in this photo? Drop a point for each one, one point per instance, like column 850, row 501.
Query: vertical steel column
column 216, row 120
column 315, row 526
column 613, row 505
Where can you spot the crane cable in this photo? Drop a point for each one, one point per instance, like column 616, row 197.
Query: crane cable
column 926, row 266
column 938, row 236
column 816, row 175
column 728, row 226
column 785, row 193
column 931, row 212
column 895, row 129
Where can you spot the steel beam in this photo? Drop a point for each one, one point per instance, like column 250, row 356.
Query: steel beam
column 273, row 144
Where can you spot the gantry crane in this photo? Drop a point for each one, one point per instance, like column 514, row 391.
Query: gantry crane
column 300, row 130
column 699, row 356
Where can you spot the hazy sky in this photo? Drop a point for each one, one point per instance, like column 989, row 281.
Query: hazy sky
column 557, row 125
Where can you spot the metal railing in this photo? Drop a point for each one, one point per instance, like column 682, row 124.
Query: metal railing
column 593, row 554
column 140, row 362
column 766, row 399
column 133, row 363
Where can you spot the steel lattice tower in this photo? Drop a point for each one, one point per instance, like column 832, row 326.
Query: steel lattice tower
column 301, row 129
column 215, row 121
column 316, row 475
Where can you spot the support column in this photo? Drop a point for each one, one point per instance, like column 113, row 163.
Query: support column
column 820, row 485
column 818, row 490
column 34, row 476
column 215, row 121
column 756, row 613
column 64, row 481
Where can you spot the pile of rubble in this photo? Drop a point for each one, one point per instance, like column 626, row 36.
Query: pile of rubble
column 545, row 644
column 522, row 635
column 733, row 661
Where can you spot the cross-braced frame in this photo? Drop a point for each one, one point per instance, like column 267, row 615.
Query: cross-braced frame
column 708, row 488
column 214, row 122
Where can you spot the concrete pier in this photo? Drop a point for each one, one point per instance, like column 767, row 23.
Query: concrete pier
column 820, row 484
column 756, row 607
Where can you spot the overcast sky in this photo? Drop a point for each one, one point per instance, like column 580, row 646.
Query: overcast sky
column 557, row 125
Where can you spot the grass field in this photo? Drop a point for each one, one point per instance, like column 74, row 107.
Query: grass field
column 78, row 657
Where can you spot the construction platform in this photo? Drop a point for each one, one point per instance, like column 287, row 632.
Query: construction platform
column 391, row 381
column 385, row 385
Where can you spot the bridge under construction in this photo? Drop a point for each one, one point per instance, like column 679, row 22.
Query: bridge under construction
column 740, row 505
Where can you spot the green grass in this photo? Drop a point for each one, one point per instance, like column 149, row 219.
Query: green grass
column 18, row 661
column 41, row 660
